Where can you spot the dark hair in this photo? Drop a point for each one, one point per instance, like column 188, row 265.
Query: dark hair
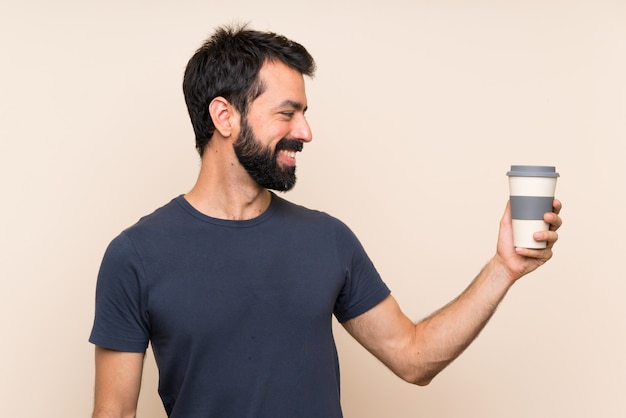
column 228, row 65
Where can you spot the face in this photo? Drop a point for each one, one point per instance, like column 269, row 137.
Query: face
column 261, row 162
column 274, row 129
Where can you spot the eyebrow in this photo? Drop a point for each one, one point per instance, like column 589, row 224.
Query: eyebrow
column 293, row 104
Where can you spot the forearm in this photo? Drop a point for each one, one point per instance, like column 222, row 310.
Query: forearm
column 444, row 335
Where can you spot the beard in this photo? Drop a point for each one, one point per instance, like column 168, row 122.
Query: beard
column 261, row 162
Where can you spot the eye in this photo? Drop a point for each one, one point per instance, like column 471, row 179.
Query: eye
column 287, row 114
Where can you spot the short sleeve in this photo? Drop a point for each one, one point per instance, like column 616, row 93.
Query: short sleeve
column 363, row 288
column 121, row 322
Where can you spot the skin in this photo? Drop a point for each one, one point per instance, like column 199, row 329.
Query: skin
column 416, row 352
column 118, row 380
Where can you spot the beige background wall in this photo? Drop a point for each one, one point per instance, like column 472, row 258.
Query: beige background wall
column 418, row 109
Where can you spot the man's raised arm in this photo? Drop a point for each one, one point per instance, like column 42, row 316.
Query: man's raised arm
column 418, row 352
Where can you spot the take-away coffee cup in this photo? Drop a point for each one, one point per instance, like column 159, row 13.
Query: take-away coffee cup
column 531, row 190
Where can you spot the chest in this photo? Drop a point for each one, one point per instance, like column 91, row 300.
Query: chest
column 275, row 287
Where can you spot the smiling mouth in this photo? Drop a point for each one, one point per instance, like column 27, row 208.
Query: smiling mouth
column 287, row 157
column 289, row 153
column 287, row 149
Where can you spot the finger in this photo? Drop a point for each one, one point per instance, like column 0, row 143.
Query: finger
column 542, row 255
column 549, row 236
column 506, row 216
column 557, row 205
column 553, row 220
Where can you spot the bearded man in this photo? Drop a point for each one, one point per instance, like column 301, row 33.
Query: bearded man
column 235, row 287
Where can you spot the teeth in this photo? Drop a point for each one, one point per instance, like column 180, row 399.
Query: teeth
column 291, row 154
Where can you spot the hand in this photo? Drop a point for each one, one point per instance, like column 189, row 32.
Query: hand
column 521, row 261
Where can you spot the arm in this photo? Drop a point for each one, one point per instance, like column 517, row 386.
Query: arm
column 118, row 379
column 418, row 352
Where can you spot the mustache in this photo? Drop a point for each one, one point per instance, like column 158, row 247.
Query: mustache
column 290, row 144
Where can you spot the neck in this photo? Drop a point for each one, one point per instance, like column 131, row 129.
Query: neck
column 222, row 191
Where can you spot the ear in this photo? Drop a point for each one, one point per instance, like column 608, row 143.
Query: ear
column 224, row 116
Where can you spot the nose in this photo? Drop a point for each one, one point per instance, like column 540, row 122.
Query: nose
column 302, row 130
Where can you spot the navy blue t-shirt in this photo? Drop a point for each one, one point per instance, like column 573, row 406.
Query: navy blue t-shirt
column 239, row 313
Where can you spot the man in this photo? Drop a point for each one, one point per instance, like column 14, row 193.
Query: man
column 235, row 287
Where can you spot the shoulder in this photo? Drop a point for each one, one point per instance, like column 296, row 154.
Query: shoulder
column 148, row 228
column 287, row 210
column 315, row 223
column 161, row 218
column 285, row 207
